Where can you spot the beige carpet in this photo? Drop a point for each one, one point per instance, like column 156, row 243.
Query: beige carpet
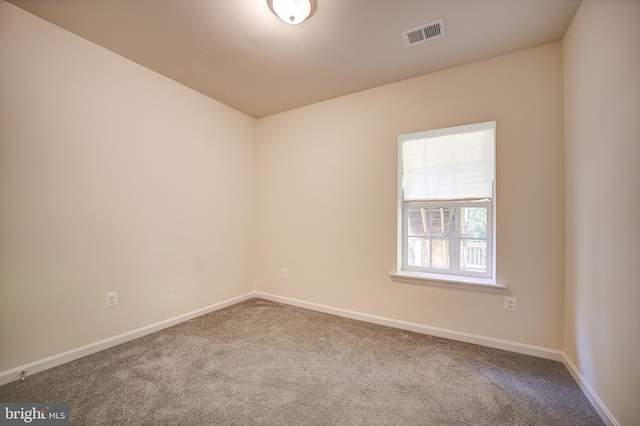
column 264, row 363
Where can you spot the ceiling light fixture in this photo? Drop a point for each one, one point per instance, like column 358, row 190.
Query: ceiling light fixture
column 293, row 11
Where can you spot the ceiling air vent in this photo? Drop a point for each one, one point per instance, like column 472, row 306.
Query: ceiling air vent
column 424, row 32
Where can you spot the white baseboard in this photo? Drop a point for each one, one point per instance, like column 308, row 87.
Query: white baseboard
column 588, row 391
column 521, row 348
column 424, row 329
column 53, row 361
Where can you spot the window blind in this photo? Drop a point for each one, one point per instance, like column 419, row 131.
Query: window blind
column 451, row 167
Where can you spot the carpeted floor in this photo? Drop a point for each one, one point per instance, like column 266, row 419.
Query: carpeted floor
column 264, row 363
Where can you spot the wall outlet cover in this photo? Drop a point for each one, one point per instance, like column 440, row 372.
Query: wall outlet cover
column 111, row 299
column 510, row 304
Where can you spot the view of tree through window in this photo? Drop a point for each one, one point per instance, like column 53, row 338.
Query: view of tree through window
column 447, row 237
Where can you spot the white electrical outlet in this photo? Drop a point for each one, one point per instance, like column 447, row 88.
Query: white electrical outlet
column 283, row 273
column 111, row 299
column 510, row 303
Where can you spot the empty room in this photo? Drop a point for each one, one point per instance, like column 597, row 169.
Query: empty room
column 344, row 212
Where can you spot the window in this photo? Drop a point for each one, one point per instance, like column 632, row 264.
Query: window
column 446, row 228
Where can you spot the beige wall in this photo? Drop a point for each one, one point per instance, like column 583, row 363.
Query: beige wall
column 327, row 194
column 112, row 178
column 602, row 113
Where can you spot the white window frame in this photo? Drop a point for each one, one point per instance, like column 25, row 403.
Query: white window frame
column 465, row 279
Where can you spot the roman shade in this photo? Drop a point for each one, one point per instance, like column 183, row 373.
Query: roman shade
column 448, row 167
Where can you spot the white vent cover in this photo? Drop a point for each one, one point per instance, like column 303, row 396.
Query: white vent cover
column 424, row 32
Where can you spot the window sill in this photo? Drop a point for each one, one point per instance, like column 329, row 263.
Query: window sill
column 469, row 283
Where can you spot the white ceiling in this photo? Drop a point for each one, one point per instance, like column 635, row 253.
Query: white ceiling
column 239, row 53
